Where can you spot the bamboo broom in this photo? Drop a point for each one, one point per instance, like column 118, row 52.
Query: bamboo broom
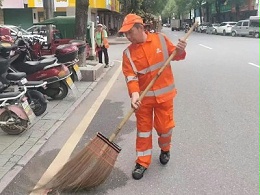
column 92, row 165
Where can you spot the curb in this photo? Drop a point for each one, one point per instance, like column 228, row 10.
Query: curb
column 118, row 42
column 15, row 170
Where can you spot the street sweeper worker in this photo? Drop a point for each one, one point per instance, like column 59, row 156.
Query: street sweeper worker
column 141, row 61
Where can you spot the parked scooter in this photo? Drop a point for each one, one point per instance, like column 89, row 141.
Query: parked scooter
column 56, row 75
column 36, row 99
column 66, row 54
column 13, row 82
column 15, row 112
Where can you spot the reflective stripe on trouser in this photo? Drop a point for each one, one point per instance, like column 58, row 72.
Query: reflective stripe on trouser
column 161, row 117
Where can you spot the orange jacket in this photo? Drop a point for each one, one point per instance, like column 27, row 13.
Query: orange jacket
column 142, row 62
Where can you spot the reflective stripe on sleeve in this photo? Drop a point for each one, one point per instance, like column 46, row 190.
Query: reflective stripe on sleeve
column 144, row 153
column 127, row 52
column 144, row 134
column 160, row 91
column 131, row 78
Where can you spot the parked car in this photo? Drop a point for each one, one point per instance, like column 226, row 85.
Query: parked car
column 225, row 28
column 15, row 29
column 202, row 27
column 39, row 29
column 241, row 28
column 254, row 26
column 211, row 28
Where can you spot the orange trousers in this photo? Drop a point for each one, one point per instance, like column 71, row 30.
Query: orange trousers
column 161, row 117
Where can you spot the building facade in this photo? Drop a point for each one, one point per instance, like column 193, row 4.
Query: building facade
column 106, row 12
column 230, row 12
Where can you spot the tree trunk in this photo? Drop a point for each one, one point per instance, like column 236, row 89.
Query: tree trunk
column 207, row 12
column 217, row 4
column 201, row 20
column 81, row 20
column 1, row 16
column 237, row 12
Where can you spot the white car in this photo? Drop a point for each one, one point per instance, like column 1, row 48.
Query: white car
column 211, row 28
column 225, row 28
column 202, row 27
column 15, row 29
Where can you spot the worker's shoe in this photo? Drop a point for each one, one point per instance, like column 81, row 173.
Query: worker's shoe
column 138, row 172
column 164, row 157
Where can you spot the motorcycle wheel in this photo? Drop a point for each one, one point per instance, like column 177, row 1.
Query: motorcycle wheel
column 16, row 129
column 37, row 102
column 62, row 92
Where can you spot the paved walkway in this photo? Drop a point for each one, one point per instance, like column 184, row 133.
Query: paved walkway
column 16, row 151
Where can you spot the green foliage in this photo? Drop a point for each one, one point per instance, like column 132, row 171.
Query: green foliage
column 154, row 7
column 131, row 6
column 170, row 9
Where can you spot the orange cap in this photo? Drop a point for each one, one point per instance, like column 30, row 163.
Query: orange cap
column 129, row 22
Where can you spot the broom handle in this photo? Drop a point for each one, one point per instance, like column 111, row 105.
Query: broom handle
column 125, row 119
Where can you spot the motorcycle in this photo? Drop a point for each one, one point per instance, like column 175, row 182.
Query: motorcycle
column 13, row 82
column 187, row 28
column 36, row 99
column 15, row 112
column 56, row 75
column 66, row 54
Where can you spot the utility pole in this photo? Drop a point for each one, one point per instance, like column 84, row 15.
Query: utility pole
column 48, row 6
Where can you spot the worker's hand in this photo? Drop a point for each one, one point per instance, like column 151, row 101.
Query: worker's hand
column 180, row 48
column 135, row 103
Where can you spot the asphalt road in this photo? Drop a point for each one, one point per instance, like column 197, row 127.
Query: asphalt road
column 215, row 147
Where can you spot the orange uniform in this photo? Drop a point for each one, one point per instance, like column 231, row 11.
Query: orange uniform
column 141, row 62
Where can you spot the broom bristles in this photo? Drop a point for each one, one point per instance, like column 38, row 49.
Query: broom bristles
column 88, row 169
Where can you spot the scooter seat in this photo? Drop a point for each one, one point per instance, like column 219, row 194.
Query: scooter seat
column 15, row 76
column 9, row 94
column 48, row 61
column 30, row 67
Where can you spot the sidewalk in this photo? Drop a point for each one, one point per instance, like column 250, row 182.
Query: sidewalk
column 16, row 151
column 113, row 40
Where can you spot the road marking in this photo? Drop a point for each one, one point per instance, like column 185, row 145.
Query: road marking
column 205, row 46
column 252, row 64
column 65, row 152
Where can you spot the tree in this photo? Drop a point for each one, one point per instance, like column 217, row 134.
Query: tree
column 153, row 6
column 197, row 4
column 131, row 6
column 81, row 19
column 183, row 7
column 169, row 10
column 142, row 6
column 1, row 10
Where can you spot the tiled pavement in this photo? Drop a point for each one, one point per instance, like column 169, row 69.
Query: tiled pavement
column 16, row 151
